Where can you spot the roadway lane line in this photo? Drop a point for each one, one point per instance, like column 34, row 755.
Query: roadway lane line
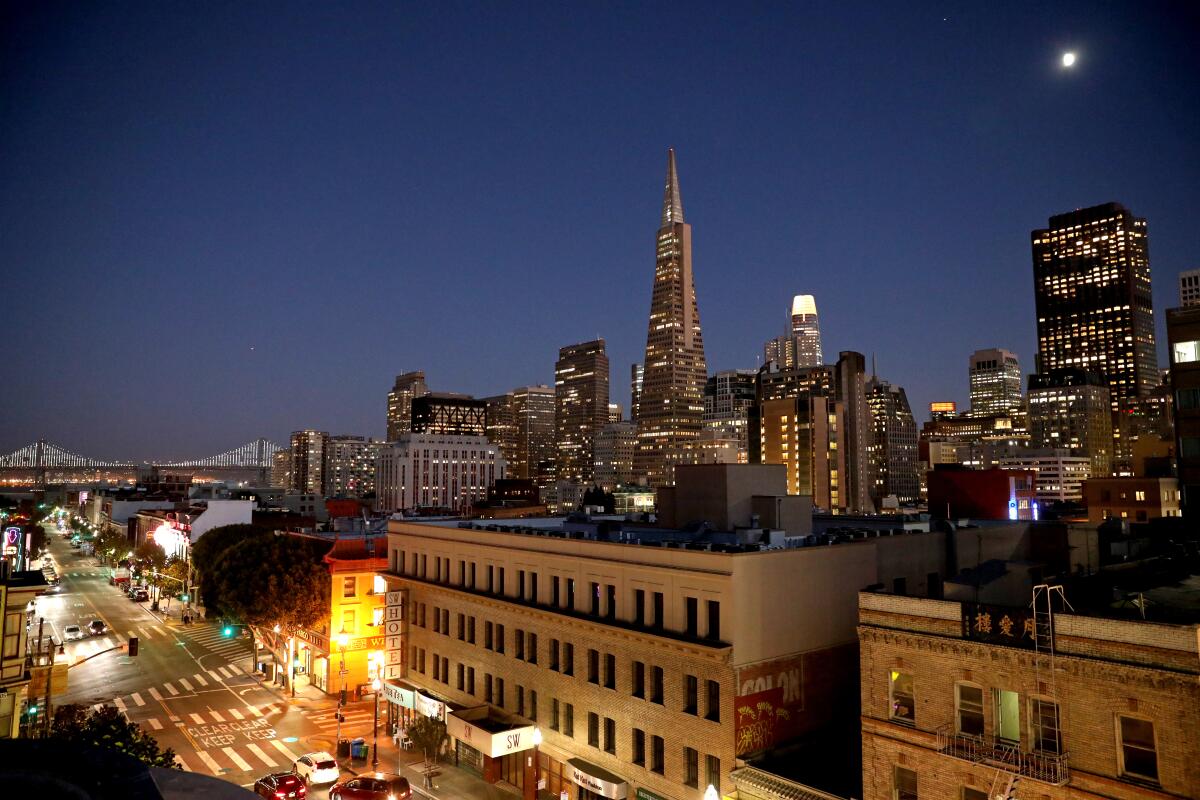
column 278, row 745
column 170, row 688
column 209, row 762
column 216, row 716
column 137, row 699
column 242, row 763
column 233, row 712
column 155, row 724
column 183, row 682
column 198, row 678
column 263, row 757
column 199, row 720
column 154, row 693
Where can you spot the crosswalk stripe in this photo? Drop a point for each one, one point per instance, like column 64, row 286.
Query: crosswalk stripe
column 154, row 693
column 159, row 629
column 233, row 712
column 99, row 706
column 137, row 699
column 254, row 711
column 184, row 683
column 215, row 676
column 198, row 678
column 154, row 723
column 209, row 762
column 144, row 633
column 236, row 669
column 199, row 720
column 173, row 691
column 278, row 745
column 216, row 715
column 120, row 704
column 263, row 757
column 224, row 672
column 131, row 634
column 242, row 763
column 182, row 763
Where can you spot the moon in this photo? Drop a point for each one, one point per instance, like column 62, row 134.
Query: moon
column 1068, row 59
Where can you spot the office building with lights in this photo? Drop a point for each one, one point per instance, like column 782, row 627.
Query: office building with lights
column 728, row 397
column 895, row 469
column 995, row 382
column 942, row 409
column 614, row 448
column 407, row 388
column 1071, row 408
column 800, row 347
column 670, row 404
column 1189, row 288
column 636, row 372
column 1091, row 271
column 349, row 469
column 581, row 408
column 1183, row 341
column 449, row 414
column 308, row 461
column 436, row 472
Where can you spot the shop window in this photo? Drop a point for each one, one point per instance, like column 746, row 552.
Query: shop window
column 904, row 784
column 691, row 767
column 969, row 705
column 1138, row 750
column 656, row 754
column 902, row 704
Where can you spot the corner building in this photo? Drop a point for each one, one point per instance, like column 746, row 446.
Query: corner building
column 956, row 700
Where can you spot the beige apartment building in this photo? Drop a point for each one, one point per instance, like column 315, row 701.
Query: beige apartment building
column 959, row 699
column 648, row 662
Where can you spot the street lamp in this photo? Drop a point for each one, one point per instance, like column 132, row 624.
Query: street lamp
column 537, row 762
column 343, row 639
column 376, row 685
column 711, row 793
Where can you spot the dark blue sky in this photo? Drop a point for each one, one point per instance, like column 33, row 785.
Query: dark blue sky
column 227, row 220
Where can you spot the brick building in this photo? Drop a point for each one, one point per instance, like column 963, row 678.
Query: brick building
column 957, row 699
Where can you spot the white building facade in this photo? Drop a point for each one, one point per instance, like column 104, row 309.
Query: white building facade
column 436, row 471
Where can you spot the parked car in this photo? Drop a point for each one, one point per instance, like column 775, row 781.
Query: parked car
column 97, row 627
column 73, row 633
column 141, row 596
column 75, row 543
column 133, row 589
column 284, row 785
column 372, row 786
column 317, row 767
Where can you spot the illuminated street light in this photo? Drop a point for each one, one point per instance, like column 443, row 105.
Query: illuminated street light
column 711, row 793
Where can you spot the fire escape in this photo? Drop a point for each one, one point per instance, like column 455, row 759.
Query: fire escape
column 1045, row 759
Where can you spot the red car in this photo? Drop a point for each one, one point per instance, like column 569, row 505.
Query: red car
column 281, row 786
column 372, row 786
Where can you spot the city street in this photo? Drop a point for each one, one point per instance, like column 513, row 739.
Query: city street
column 190, row 687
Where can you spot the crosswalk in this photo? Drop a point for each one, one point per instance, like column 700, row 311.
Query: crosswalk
column 269, row 753
column 326, row 720
column 84, row 648
column 210, row 637
column 209, row 716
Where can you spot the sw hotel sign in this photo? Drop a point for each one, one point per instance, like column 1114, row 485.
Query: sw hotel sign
column 490, row 744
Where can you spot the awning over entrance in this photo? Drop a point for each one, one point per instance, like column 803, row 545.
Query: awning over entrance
column 598, row 780
column 407, row 696
column 491, row 731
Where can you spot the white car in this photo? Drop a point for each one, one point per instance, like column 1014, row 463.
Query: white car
column 317, row 768
column 73, row 633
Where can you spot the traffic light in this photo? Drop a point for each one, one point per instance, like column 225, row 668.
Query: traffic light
column 32, row 710
column 342, row 697
column 133, row 645
column 184, row 597
column 227, row 631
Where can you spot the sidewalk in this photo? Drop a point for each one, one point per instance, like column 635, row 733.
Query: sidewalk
column 450, row 782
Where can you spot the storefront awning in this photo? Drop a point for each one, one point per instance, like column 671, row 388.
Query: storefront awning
column 491, row 731
column 408, row 696
column 598, row 780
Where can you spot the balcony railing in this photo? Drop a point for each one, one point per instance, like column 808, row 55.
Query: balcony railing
column 1045, row 767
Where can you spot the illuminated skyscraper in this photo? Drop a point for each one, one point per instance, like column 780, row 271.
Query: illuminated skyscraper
column 408, row 386
column 800, row 348
column 636, row 371
column 1091, row 272
column 670, row 405
column 308, row 461
column 995, row 382
column 894, row 465
column 581, row 408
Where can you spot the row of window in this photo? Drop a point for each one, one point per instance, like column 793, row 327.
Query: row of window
column 648, row 609
column 1136, row 744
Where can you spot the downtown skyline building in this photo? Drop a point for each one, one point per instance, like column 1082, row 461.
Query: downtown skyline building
column 581, row 408
column 1071, row 408
column 893, row 449
column 670, row 402
column 728, row 397
column 800, row 347
column 995, row 376
column 521, row 424
column 408, row 387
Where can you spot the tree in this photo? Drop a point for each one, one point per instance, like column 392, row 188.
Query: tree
column 427, row 735
column 106, row 728
column 210, row 548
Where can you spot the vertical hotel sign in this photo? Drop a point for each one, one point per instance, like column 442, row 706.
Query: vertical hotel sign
column 393, row 630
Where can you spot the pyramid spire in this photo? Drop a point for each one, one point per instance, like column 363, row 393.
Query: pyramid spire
column 672, row 204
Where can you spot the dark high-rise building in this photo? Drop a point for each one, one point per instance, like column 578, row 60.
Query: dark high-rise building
column 581, row 407
column 636, row 372
column 1183, row 339
column 1091, row 272
column 454, row 414
column 408, row 386
column 308, row 461
column 670, row 406
column 894, row 463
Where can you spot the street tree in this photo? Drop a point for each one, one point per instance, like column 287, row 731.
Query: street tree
column 210, row 548
column 427, row 735
column 106, row 728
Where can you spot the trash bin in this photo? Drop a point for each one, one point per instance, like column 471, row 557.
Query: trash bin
column 343, row 748
column 358, row 748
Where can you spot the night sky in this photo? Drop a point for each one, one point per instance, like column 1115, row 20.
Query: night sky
column 221, row 221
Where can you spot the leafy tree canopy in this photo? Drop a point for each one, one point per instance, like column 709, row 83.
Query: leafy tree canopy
column 211, row 548
column 427, row 734
column 106, row 728
column 274, row 580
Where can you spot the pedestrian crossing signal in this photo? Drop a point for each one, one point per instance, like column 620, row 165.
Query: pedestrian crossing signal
column 133, row 645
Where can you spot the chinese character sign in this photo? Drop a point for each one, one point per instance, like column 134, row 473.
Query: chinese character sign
column 1013, row 627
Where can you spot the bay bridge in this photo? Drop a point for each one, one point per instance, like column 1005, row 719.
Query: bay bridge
column 42, row 462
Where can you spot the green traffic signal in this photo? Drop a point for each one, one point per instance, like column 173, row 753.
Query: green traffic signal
column 32, row 710
column 228, row 631
column 184, row 598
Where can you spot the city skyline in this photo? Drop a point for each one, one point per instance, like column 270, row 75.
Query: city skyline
column 232, row 270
